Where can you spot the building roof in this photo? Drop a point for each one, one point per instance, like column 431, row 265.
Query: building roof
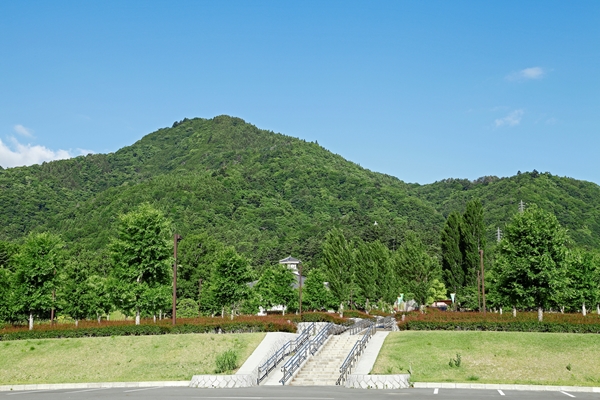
column 290, row 260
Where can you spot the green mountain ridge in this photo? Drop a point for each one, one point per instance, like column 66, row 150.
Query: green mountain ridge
column 267, row 194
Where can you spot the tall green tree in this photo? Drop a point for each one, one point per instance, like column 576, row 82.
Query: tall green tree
column 227, row 286
column 315, row 295
column 374, row 276
column 452, row 261
column 338, row 262
column 7, row 269
column 141, row 253
column 583, row 280
column 531, row 268
column 197, row 255
column 39, row 262
column 417, row 271
column 276, row 287
column 473, row 239
column 76, row 295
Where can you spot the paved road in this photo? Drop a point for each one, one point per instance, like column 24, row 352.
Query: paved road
column 289, row 393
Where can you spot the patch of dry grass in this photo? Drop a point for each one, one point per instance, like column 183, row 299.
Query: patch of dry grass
column 119, row 358
column 493, row 357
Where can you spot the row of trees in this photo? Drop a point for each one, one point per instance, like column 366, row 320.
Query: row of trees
column 538, row 267
column 534, row 266
column 134, row 276
column 361, row 272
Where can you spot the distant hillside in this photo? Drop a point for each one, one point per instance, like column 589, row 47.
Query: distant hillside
column 575, row 203
column 267, row 194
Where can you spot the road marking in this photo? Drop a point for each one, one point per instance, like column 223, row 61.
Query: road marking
column 501, row 392
column 138, row 390
column 435, row 391
column 568, row 394
column 86, row 390
column 31, row 391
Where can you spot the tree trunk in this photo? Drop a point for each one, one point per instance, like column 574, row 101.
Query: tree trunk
column 30, row 321
column 137, row 316
column 500, row 310
column 222, row 312
column 232, row 314
column 562, row 309
column 598, row 309
column 540, row 314
column 108, row 316
column 76, row 323
column 160, row 315
column 514, row 311
column 154, row 318
column 583, row 310
column 99, row 318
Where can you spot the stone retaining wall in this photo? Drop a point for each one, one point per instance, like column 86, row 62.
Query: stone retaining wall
column 378, row 381
column 223, row 381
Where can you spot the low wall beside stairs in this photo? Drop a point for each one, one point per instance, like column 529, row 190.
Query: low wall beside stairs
column 357, row 381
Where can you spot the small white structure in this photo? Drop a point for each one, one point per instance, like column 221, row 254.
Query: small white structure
column 293, row 264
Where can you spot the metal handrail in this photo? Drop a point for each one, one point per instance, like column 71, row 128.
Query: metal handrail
column 360, row 326
column 355, row 353
column 294, row 362
column 301, row 354
column 385, row 323
column 288, row 348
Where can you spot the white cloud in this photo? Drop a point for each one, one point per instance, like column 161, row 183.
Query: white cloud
column 21, row 130
column 25, row 154
column 512, row 119
column 526, row 74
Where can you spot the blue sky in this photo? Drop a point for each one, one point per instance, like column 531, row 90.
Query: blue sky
column 419, row 90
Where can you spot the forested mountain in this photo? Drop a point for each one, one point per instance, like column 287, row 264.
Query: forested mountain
column 267, row 194
column 575, row 203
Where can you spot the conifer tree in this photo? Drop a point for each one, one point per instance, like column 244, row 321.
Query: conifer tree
column 452, row 261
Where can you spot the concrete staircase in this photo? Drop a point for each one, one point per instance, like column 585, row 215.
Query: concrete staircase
column 323, row 369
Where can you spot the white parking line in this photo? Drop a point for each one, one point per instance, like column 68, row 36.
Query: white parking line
column 568, row 394
column 31, row 391
column 435, row 391
column 138, row 390
column 501, row 392
column 86, row 390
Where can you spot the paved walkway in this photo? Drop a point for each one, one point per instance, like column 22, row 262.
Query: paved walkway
column 367, row 359
column 269, row 345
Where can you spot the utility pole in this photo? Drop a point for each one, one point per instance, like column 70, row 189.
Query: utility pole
column 498, row 235
column 482, row 280
column 300, row 292
column 521, row 206
column 176, row 239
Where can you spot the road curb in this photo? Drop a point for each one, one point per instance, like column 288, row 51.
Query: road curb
column 93, row 385
column 503, row 386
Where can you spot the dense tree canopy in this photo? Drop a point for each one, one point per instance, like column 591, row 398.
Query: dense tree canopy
column 141, row 253
column 532, row 263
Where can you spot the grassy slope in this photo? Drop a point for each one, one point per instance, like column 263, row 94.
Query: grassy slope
column 493, row 357
column 118, row 359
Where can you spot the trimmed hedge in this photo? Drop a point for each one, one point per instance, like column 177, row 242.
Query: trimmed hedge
column 501, row 326
column 524, row 322
column 225, row 326
column 286, row 323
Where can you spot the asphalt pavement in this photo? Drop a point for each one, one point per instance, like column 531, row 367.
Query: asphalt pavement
column 289, row 393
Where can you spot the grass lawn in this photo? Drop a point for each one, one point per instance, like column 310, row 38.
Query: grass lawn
column 119, row 358
column 493, row 357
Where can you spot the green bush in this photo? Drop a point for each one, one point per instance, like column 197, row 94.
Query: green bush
column 226, row 361
column 187, row 308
